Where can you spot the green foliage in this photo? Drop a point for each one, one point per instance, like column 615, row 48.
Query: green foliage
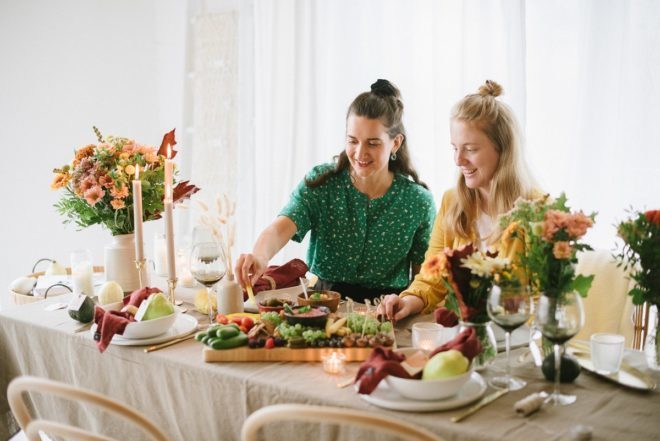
column 641, row 253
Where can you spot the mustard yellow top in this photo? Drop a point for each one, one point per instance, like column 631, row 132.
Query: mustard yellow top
column 433, row 293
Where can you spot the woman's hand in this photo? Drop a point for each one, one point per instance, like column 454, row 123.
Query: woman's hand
column 250, row 264
column 395, row 308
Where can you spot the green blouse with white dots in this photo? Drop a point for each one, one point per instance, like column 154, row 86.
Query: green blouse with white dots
column 355, row 240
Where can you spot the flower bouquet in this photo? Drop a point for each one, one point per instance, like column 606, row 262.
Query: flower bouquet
column 551, row 234
column 641, row 252
column 469, row 276
column 96, row 184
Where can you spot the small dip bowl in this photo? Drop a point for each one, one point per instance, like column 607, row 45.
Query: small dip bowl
column 330, row 299
column 316, row 316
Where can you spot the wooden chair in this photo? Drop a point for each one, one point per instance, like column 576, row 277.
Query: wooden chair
column 608, row 307
column 32, row 426
column 325, row 414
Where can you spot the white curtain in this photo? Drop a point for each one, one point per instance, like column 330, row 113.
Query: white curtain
column 581, row 76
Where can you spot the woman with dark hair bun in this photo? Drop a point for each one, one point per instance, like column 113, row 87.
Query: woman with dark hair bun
column 369, row 215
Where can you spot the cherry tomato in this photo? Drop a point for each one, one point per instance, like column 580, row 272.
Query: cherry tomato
column 220, row 318
column 247, row 322
column 270, row 343
column 237, row 320
column 243, row 329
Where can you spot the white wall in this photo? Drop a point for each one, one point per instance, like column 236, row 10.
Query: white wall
column 65, row 66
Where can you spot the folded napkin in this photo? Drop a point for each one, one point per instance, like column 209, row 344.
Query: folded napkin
column 381, row 363
column 282, row 276
column 109, row 323
column 466, row 343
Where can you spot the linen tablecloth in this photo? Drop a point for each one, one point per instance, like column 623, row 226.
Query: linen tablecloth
column 193, row 400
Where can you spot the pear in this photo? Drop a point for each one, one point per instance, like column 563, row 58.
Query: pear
column 55, row 269
column 445, row 365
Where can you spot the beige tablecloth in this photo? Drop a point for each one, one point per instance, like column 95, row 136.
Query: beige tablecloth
column 193, row 400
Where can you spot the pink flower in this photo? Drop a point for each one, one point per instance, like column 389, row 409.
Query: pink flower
column 562, row 250
column 117, row 203
column 553, row 221
column 578, row 224
column 94, row 195
column 87, row 183
column 119, row 193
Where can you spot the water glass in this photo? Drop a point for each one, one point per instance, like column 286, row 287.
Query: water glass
column 607, row 352
column 82, row 272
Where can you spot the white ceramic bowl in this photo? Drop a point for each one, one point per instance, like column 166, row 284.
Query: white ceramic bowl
column 149, row 328
column 427, row 390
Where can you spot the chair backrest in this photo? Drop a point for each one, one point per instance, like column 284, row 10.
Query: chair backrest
column 325, row 414
column 32, row 426
column 608, row 307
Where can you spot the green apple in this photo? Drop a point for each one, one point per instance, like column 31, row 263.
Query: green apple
column 444, row 365
column 55, row 269
column 110, row 292
column 155, row 306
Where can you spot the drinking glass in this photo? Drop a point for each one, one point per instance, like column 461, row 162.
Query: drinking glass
column 559, row 319
column 82, row 272
column 510, row 307
column 207, row 265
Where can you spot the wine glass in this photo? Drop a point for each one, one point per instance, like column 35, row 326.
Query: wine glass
column 207, row 266
column 559, row 319
column 510, row 307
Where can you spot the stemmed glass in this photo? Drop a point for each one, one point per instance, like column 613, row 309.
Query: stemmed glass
column 559, row 319
column 207, row 266
column 510, row 307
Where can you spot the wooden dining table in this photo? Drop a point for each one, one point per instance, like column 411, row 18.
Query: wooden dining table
column 194, row 400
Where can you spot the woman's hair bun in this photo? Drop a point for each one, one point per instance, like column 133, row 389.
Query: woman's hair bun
column 491, row 88
column 384, row 88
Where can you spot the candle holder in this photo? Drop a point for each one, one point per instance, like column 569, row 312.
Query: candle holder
column 171, row 284
column 139, row 264
column 334, row 363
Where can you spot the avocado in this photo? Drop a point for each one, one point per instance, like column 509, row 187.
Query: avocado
column 570, row 368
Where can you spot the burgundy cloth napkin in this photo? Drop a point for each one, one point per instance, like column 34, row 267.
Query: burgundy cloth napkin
column 109, row 323
column 381, row 363
column 282, row 276
column 466, row 342
column 445, row 317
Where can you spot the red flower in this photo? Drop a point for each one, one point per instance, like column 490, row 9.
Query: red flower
column 653, row 216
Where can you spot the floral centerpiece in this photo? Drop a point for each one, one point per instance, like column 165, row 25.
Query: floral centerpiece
column 552, row 236
column 96, row 184
column 641, row 253
column 469, row 276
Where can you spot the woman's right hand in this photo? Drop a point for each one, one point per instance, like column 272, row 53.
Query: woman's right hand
column 249, row 267
column 395, row 308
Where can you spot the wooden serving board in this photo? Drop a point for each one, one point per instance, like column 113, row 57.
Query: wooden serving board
column 244, row 353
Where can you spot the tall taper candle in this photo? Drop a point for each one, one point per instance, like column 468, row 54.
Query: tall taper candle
column 137, row 215
column 169, row 174
column 169, row 240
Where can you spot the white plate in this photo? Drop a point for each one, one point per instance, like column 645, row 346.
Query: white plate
column 184, row 325
column 385, row 397
column 290, row 293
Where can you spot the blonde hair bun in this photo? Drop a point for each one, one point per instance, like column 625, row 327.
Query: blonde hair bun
column 491, row 88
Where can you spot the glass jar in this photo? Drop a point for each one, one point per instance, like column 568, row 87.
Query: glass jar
column 488, row 342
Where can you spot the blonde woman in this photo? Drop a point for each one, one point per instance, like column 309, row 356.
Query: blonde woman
column 487, row 147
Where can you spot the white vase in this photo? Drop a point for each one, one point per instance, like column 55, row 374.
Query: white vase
column 119, row 261
column 229, row 296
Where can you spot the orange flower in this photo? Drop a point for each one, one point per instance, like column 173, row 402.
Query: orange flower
column 435, row 267
column 61, row 179
column 653, row 216
column 510, row 233
column 117, row 204
column 85, row 152
column 562, row 250
column 94, row 195
column 119, row 193
column 106, row 181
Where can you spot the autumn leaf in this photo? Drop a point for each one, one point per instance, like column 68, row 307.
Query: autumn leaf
column 168, row 139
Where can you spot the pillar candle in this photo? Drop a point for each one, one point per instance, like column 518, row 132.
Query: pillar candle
column 137, row 215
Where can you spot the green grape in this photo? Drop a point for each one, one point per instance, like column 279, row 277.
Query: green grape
column 386, row 327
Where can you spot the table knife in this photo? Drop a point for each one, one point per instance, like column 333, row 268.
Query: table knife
column 483, row 402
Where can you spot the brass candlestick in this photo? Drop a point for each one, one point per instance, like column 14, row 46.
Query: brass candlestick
column 171, row 284
column 139, row 264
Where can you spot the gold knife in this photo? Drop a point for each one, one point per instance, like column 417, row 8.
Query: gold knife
column 168, row 343
column 483, row 402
